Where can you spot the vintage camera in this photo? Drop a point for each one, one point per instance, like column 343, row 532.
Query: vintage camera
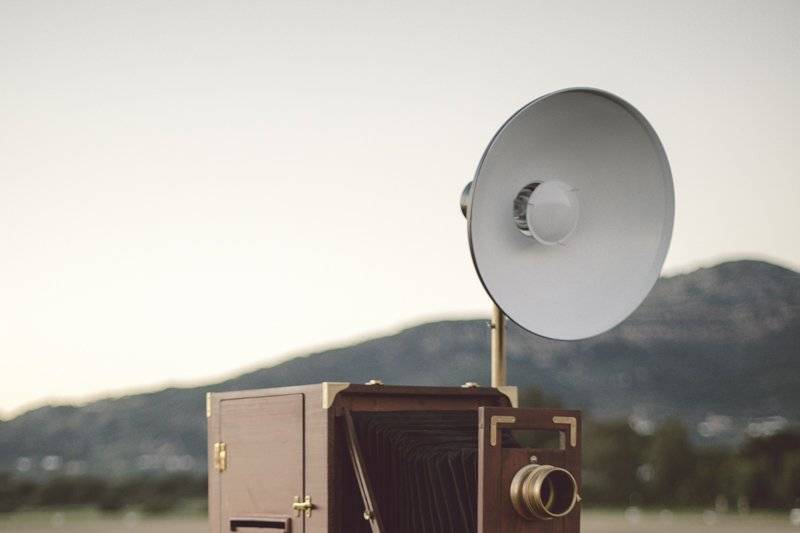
column 569, row 218
column 346, row 458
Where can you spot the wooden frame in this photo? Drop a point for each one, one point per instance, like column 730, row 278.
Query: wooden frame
column 497, row 466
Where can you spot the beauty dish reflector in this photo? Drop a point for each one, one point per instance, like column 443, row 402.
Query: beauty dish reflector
column 570, row 213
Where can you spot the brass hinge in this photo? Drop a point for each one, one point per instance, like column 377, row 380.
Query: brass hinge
column 300, row 506
column 220, row 456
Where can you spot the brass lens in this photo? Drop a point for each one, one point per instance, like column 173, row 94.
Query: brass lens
column 543, row 492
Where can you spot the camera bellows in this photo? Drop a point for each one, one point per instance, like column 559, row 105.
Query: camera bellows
column 423, row 467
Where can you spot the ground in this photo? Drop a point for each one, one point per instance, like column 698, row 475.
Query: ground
column 631, row 521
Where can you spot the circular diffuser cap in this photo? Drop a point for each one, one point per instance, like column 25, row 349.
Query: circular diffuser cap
column 570, row 213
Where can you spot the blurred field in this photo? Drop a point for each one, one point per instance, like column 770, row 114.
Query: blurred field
column 92, row 522
column 593, row 522
column 708, row 522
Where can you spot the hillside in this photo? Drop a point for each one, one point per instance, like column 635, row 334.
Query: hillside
column 721, row 341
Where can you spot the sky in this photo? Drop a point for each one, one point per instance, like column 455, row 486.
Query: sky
column 190, row 189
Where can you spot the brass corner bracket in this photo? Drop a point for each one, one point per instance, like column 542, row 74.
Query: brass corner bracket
column 572, row 422
column 329, row 391
column 498, row 419
column 511, row 392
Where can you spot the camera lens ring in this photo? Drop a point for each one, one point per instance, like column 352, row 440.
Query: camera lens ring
column 543, row 492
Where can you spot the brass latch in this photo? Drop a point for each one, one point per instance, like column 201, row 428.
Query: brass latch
column 300, row 506
column 220, row 456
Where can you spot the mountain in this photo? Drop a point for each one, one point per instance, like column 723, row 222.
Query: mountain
column 718, row 348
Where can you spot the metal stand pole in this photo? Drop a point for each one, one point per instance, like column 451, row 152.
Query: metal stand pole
column 498, row 325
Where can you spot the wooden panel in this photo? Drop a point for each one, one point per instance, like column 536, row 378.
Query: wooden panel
column 264, row 438
column 497, row 466
column 316, row 451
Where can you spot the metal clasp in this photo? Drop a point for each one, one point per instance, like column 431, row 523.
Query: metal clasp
column 300, row 506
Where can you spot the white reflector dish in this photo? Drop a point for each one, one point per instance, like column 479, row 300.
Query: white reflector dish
column 570, row 213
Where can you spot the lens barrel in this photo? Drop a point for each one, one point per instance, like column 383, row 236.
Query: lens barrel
column 543, row 492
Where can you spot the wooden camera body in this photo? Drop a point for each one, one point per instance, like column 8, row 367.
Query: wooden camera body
column 345, row 458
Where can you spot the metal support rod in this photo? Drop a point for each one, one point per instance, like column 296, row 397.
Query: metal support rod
column 498, row 326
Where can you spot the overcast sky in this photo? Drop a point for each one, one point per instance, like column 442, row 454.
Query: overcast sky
column 190, row 188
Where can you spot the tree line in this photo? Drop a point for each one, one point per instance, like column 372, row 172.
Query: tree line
column 665, row 469
column 620, row 468
column 150, row 494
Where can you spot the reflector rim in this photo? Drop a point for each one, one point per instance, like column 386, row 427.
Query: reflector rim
column 669, row 207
